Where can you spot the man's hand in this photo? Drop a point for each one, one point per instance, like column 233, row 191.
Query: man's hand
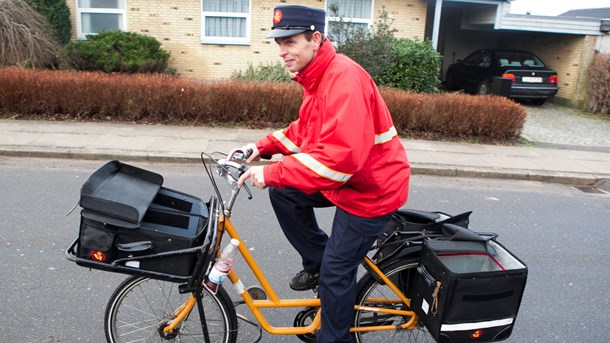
column 255, row 156
column 256, row 176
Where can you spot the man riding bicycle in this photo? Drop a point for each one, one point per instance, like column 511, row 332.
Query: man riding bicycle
column 342, row 151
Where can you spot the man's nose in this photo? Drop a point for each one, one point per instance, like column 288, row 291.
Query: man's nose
column 283, row 51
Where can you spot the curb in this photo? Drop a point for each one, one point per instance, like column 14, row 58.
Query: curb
column 573, row 179
column 558, row 178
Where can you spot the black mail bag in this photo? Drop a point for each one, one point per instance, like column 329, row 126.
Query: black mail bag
column 129, row 219
column 468, row 290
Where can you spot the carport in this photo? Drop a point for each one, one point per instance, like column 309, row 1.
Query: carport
column 566, row 44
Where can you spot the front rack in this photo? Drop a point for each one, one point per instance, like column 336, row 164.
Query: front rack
column 206, row 253
column 117, row 267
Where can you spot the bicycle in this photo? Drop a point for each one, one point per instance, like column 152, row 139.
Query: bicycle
column 156, row 306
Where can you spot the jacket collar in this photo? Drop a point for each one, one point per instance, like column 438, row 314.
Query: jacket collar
column 311, row 75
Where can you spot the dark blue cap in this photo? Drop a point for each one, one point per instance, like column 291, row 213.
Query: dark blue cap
column 293, row 19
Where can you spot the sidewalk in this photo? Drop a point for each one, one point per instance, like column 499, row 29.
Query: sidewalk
column 170, row 143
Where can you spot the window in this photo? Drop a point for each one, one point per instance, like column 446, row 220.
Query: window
column 518, row 59
column 473, row 58
column 485, row 59
column 225, row 21
column 94, row 16
column 355, row 14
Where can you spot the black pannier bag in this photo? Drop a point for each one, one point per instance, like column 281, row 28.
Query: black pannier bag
column 129, row 219
column 468, row 290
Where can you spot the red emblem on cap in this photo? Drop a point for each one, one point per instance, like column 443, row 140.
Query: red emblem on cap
column 277, row 16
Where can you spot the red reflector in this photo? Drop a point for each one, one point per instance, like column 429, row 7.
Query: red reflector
column 476, row 334
column 97, row 255
column 509, row 76
column 553, row 79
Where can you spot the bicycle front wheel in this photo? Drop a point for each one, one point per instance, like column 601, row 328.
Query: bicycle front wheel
column 140, row 308
column 373, row 294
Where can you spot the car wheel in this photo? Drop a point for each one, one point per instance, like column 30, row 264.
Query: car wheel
column 483, row 88
column 538, row 102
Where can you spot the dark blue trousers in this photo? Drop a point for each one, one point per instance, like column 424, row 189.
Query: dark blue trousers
column 336, row 257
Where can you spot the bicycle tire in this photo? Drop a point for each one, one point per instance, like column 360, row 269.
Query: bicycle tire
column 402, row 273
column 139, row 307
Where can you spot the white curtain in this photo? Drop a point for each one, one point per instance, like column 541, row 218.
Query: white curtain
column 225, row 27
column 353, row 9
column 98, row 22
column 101, row 4
column 231, row 25
column 235, row 6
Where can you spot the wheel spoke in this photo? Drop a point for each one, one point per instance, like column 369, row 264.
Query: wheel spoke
column 140, row 308
column 373, row 294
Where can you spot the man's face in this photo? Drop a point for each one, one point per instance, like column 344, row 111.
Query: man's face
column 297, row 52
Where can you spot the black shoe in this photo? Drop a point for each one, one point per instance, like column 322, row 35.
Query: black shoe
column 304, row 281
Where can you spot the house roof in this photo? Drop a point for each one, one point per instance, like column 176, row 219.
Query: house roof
column 559, row 24
column 600, row 13
column 486, row 14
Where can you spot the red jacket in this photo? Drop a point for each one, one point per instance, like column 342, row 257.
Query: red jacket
column 343, row 144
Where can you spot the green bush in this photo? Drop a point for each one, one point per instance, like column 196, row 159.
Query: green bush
column 373, row 53
column 415, row 67
column 372, row 50
column 58, row 15
column 391, row 62
column 264, row 72
column 117, row 51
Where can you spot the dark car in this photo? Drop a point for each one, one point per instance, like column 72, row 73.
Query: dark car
column 531, row 79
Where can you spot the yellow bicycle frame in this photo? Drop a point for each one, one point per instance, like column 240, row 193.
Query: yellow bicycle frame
column 276, row 302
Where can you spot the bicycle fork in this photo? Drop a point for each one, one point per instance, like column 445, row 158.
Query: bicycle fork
column 179, row 314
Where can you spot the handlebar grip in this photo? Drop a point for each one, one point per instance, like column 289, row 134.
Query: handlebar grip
column 247, row 152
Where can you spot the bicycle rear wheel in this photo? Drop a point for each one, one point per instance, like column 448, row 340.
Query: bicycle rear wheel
column 402, row 273
column 140, row 307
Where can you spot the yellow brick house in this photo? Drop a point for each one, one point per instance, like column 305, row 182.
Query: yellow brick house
column 210, row 39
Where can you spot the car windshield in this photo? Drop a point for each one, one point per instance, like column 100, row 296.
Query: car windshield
column 518, row 59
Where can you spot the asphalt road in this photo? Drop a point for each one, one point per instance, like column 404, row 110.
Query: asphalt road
column 560, row 232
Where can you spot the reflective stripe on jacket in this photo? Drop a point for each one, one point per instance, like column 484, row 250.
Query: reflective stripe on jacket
column 343, row 144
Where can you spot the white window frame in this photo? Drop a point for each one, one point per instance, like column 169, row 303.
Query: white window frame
column 368, row 22
column 87, row 10
column 227, row 40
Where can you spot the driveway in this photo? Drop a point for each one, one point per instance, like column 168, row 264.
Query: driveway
column 563, row 127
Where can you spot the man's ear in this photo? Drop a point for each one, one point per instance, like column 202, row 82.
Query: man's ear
column 317, row 38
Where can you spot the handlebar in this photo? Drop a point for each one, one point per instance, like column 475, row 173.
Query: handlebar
column 240, row 154
column 230, row 170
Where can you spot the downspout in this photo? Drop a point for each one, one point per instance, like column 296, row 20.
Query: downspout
column 437, row 23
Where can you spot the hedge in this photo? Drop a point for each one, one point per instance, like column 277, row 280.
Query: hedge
column 171, row 100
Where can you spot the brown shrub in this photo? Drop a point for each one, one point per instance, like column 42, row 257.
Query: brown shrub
column 598, row 90
column 454, row 115
column 145, row 98
column 156, row 98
